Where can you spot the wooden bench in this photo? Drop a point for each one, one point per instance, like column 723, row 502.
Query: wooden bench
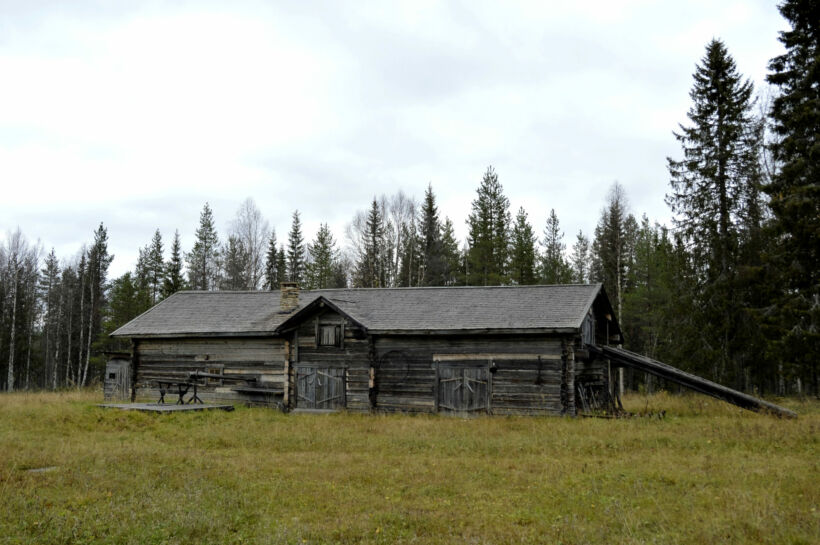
column 267, row 396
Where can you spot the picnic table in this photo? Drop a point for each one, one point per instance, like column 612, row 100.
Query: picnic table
column 182, row 388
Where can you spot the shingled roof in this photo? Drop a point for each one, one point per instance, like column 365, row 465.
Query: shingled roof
column 254, row 313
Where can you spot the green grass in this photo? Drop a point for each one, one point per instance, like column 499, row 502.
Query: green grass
column 706, row 473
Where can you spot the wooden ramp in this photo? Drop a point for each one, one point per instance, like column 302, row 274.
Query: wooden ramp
column 163, row 408
column 620, row 357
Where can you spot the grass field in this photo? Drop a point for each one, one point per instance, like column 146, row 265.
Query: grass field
column 706, row 473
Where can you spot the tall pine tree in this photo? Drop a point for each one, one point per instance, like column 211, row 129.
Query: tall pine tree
column 452, row 255
column 156, row 267
column 523, row 254
column 794, row 191
column 488, row 233
column 709, row 188
column 554, row 266
column 235, row 275
column 296, row 251
column 204, row 258
column 580, row 259
column 370, row 271
column 611, row 247
column 271, row 273
column 323, row 258
column 174, row 280
column 432, row 256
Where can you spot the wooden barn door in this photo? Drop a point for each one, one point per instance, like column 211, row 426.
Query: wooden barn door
column 463, row 388
column 320, row 387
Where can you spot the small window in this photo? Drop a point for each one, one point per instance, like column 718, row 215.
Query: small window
column 214, row 371
column 112, row 376
column 329, row 335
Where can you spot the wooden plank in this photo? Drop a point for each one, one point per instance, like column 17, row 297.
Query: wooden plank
column 493, row 357
column 688, row 380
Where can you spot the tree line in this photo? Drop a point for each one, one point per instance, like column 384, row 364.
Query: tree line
column 729, row 290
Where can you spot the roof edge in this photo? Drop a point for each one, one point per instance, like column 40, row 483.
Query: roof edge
column 195, row 334
column 476, row 331
column 116, row 332
column 599, row 287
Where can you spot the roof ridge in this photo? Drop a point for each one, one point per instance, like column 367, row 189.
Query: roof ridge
column 408, row 288
column 221, row 292
column 393, row 288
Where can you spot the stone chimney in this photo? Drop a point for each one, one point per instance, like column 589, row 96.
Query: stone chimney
column 289, row 296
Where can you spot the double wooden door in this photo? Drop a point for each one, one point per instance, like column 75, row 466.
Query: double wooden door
column 320, row 387
column 463, row 389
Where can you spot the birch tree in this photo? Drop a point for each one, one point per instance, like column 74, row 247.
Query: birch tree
column 250, row 228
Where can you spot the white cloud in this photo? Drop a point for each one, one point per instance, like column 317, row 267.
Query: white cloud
column 136, row 116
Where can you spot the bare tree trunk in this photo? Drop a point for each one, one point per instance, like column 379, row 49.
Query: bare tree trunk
column 82, row 329
column 28, row 349
column 68, row 342
column 57, row 349
column 46, row 350
column 618, row 280
column 10, row 377
column 88, row 340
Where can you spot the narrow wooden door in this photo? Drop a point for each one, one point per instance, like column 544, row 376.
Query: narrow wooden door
column 320, row 387
column 117, row 383
column 463, row 389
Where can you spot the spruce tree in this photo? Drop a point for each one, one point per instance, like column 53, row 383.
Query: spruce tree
column 432, row 263
column 141, row 279
column 580, row 259
column 451, row 254
column 340, row 274
column 720, row 164
column 235, row 271
column 369, row 267
column 611, row 247
column 323, row 258
column 794, row 191
column 125, row 304
column 204, row 258
column 49, row 294
column 523, row 254
column 271, row 276
column 174, row 280
column 156, row 267
column 281, row 265
column 488, row 233
column 554, row 266
column 411, row 270
column 709, row 188
column 296, row 251
column 98, row 262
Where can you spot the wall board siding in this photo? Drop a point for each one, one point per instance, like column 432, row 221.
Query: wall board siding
column 525, row 377
column 250, row 361
column 526, row 374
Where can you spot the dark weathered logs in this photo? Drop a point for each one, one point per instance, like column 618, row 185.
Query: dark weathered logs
column 619, row 356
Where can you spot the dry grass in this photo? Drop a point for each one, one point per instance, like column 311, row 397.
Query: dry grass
column 707, row 473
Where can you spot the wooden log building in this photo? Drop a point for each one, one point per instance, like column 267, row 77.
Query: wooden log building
column 497, row 350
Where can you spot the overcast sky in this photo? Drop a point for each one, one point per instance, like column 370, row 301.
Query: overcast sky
column 136, row 116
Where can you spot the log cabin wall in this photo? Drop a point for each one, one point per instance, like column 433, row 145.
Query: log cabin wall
column 329, row 347
column 525, row 374
column 248, row 361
